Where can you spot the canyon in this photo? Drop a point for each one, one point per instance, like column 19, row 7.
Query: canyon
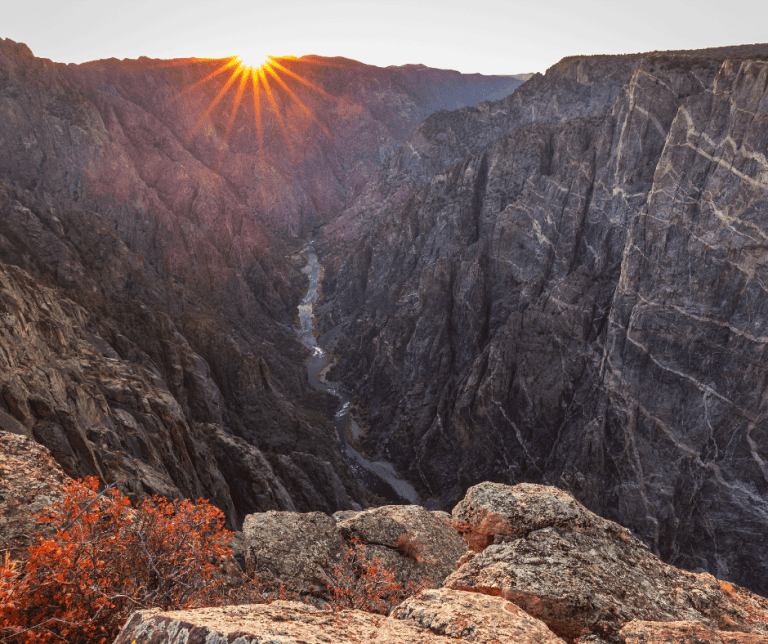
column 148, row 238
column 555, row 280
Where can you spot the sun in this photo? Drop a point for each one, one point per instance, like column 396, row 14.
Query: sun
column 252, row 63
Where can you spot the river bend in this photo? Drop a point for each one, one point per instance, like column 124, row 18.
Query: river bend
column 380, row 476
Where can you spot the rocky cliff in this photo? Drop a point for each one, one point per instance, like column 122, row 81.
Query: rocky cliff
column 566, row 286
column 147, row 287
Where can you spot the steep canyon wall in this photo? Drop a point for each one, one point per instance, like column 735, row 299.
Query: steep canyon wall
column 566, row 286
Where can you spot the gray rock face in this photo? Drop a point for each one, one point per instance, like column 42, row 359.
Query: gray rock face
column 565, row 287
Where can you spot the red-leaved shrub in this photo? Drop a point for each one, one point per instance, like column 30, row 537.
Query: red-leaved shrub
column 8, row 582
column 107, row 560
column 365, row 584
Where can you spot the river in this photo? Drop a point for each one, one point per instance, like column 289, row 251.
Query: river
column 380, row 476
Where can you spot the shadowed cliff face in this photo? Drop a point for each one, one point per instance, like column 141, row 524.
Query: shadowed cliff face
column 139, row 381
column 147, row 291
column 566, row 287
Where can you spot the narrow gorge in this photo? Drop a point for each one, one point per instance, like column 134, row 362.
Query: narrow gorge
column 377, row 477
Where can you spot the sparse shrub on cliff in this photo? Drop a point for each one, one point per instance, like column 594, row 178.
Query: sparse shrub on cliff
column 8, row 582
column 107, row 560
column 408, row 546
column 365, row 584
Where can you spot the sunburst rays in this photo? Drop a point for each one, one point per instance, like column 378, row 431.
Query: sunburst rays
column 266, row 82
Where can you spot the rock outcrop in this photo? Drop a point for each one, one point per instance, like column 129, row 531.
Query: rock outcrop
column 583, row 575
column 554, row 572
column 441, row 617
column 565, row 287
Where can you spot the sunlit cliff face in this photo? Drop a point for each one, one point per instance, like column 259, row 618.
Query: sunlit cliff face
column 259, row 74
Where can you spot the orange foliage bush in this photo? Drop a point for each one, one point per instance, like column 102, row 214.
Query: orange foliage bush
column 365, row 584
column 8, row 581
column 107, row 560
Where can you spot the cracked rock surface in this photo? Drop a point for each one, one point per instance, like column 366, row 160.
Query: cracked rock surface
column 582, row 575
column 440, row 617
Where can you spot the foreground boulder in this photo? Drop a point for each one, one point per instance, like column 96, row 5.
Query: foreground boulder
column 492, row 513
column 301, row 550
column 583, row 575
column 473, row 617
column 638, row 632
column 434, row 617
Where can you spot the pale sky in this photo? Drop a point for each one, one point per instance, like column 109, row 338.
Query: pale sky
column 486, row 36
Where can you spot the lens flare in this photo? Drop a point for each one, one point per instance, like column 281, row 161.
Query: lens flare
column 254, row 75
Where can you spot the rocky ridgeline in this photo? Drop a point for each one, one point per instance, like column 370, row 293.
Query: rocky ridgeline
column 541, row 569
column 568, row 287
